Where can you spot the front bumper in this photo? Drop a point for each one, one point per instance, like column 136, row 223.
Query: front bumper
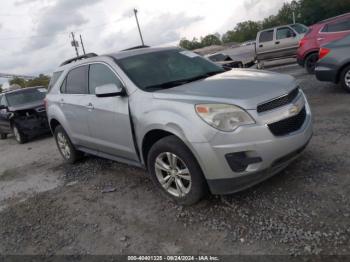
column 258, row 143
column 33, row 126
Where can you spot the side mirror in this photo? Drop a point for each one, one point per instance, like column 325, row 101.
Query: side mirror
column 109, row 90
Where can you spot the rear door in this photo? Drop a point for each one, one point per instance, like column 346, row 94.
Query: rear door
column 4, row 117
column 286, row 43
column 108, row 117
column 333, row 31
column 265, row 45
column 74, row 105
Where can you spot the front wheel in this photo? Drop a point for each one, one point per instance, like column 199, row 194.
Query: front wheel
column 345, row 78
column 176, row 172
column 19, row 136
column 65, row 146
column 310, row 63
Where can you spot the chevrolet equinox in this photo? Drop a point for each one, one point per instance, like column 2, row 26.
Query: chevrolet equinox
column 194, row 126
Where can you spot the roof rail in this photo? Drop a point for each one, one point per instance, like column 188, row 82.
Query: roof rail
column 78, row 58
column 136, row 47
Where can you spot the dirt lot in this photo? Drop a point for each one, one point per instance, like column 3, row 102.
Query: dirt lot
column 47, row 207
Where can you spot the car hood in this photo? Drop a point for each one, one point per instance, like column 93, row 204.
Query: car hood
column 27, row 106
column 243, row 87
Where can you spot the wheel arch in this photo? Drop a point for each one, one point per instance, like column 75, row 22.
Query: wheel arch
column 53, row 124
column 340, row 71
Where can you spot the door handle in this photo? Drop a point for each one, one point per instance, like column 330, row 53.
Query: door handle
column 62, row 101
column 89, row 106
column 261, row 45
column 277, row 42
column 320, row 38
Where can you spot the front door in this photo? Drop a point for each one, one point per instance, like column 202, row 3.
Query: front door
column 286, row 43
column 265, row 45
column 108, row 119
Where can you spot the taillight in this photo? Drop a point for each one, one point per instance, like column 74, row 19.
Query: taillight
column 323, row 52
column 302, row 42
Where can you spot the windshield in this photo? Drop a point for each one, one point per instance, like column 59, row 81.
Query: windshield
column 25, row 96
column 301, row 29
column 166, row 69
column 217, row 57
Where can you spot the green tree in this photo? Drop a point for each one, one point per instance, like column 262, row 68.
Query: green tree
column 190, row 45
column 42, row 80
column 209, row 40
column 19, row 81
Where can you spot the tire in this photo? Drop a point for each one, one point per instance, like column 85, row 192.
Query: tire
column 194, row 186
column 310, row 63
column 3, row 136
column 18, row 134
column 345, row 78
column 65, row 146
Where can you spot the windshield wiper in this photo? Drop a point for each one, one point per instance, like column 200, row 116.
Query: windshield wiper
column 182, row 81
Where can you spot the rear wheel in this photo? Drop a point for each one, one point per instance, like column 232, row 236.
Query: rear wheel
column 19, row 136
column 345, row 78
column 176, row 172
column 310, row 63
column 3, row 136
column 65, row 146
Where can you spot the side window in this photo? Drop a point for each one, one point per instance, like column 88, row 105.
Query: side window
column 76, row 81
column 337, row 27
column 54, row 79
column 266, row 36
column 99, row 75
column 284, row 32
column 63, row 86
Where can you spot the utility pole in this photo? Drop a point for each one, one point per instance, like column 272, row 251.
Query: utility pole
column 138, row 26
column 75, row 44
column 293, row 17
column 82, row 44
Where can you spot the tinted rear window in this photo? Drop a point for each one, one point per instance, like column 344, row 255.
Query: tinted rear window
column 266, row 36
column 25, row 96
column 77, row 80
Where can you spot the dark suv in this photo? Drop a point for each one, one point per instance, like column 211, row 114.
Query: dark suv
column 318, row 35
column 22, row 112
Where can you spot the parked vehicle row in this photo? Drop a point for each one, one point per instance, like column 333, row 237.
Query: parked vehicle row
column 318, row 35
column 194, row 126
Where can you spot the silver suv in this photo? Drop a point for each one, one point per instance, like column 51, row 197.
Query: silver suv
column 194, row 126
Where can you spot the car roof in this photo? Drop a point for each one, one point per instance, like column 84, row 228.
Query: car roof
column 272, row 28
column 117, row 55
column 20, row 90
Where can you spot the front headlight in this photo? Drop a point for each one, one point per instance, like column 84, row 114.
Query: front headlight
column 223, row 116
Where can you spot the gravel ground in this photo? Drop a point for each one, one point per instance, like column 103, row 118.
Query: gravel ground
column 102, row 207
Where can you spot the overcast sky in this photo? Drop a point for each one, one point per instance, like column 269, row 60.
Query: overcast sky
column 34, row 34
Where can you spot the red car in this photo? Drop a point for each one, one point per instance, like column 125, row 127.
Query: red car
column 318, row 35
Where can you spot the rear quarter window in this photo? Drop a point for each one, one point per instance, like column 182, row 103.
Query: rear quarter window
column 337, row 27
column 54, row 79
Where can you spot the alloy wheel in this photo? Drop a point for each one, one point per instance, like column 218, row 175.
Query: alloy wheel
column 173, row 174
column 63, row 145
column 347, row 79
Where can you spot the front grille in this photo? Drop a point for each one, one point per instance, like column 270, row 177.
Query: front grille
column 288, row 125
column 278, row 102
